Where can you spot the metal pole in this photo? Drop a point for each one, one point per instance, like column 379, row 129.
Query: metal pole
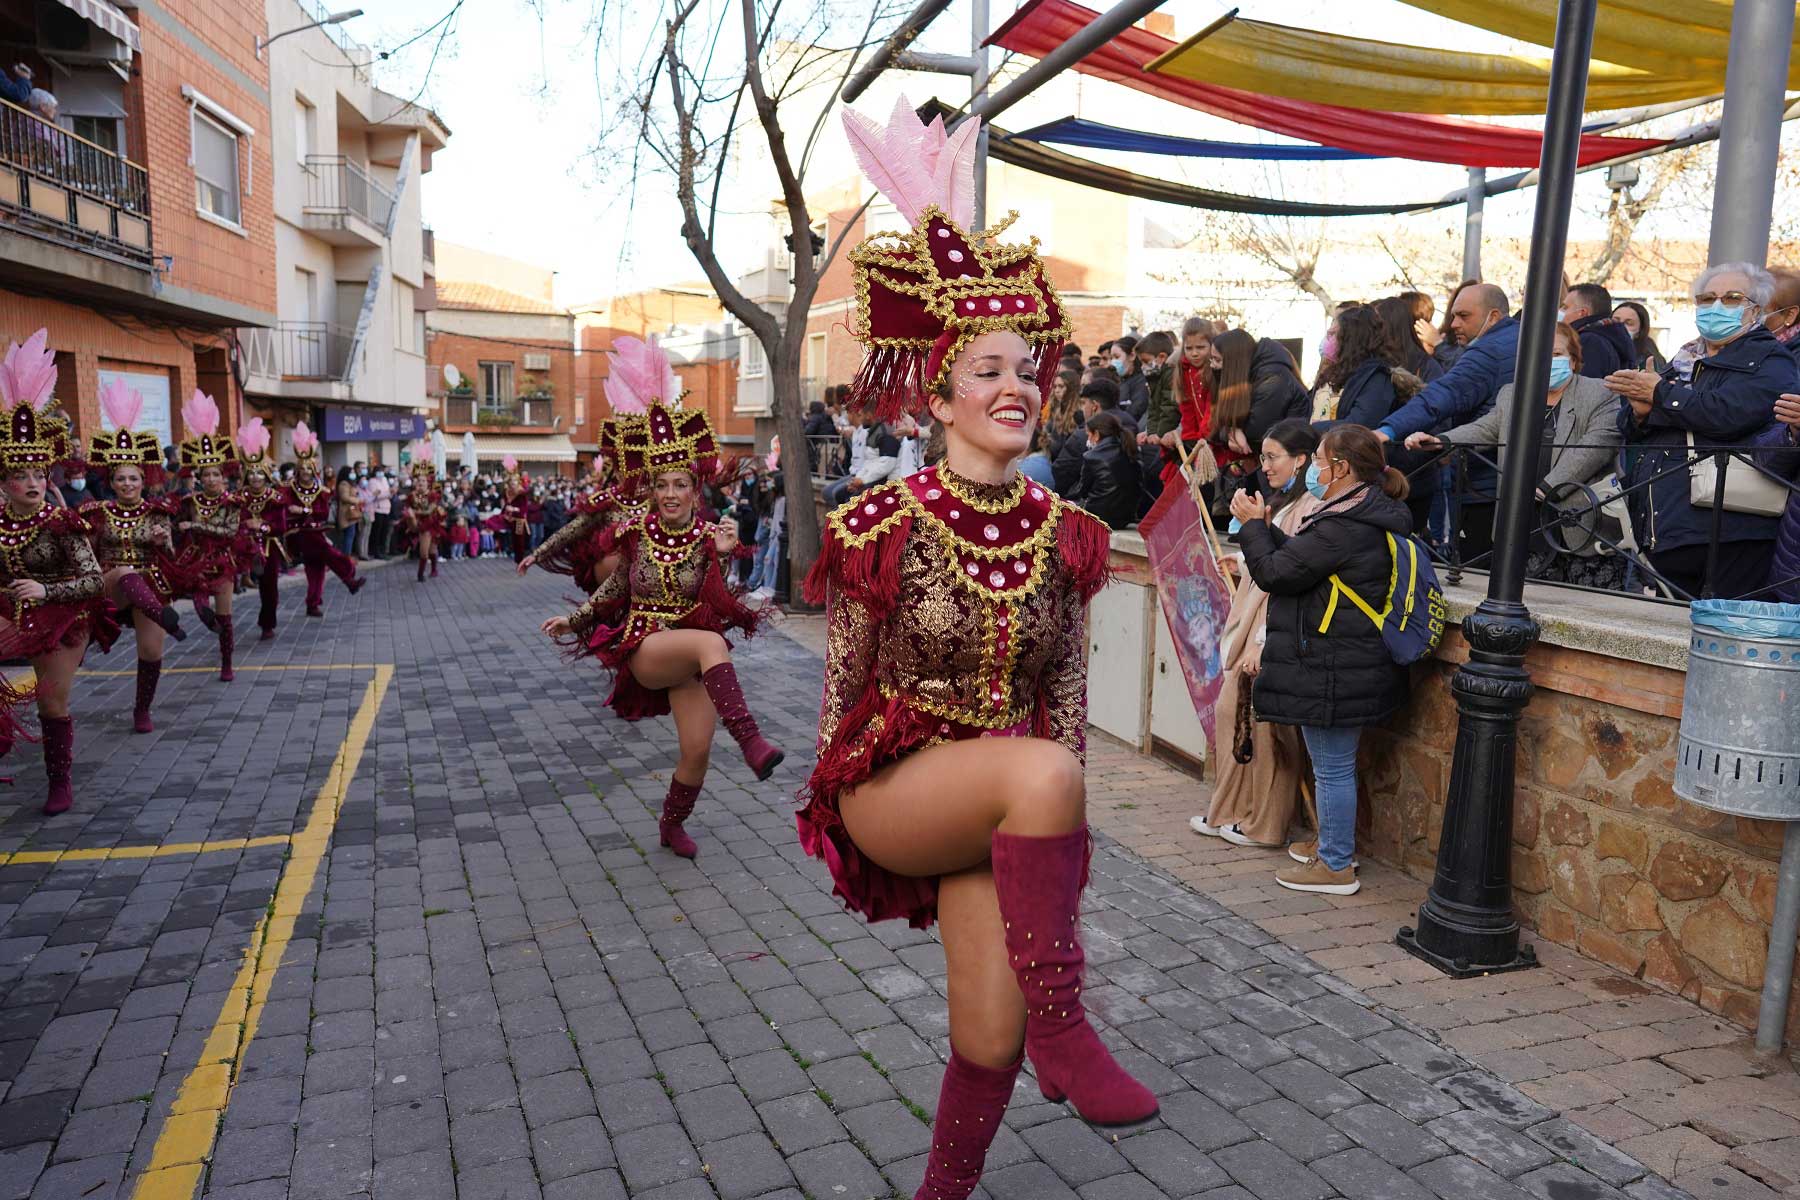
column 1466, row 925
column 978, row 86
column 1477, row 202
column 1778, row 976
column 899, row 40
column 1095, row 34
column 1756, row 77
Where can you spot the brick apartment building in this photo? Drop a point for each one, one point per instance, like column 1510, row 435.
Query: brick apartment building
column 137, row 228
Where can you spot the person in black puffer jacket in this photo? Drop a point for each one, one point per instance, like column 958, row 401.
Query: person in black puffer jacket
column 1325, row 667
column 1109, row 473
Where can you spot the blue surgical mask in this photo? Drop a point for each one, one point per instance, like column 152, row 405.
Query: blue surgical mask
column 1314, row 484
column 1560, row 370
column 1716, row 322
column 1289, row 485
column 1118, row 366
column 78, row 483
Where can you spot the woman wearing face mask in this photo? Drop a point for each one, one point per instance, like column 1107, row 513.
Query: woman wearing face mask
column 1726, row 399
column 52, row 600
column 1580, row 439
column 208, row 522
column 659, row 617
column 132, row 538
column 1325, row 667
column 1636, row 320
column 949, row 778
column 1253, row 799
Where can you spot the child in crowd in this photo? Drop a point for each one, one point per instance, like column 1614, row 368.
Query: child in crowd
column 459, row 537
column 1181, row 405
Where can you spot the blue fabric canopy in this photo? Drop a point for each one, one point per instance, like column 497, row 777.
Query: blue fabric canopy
column 1074, row 131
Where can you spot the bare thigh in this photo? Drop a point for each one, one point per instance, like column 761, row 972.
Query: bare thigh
column 935, row 811
column 56, row 676
column 673, row 656
column 695, row 720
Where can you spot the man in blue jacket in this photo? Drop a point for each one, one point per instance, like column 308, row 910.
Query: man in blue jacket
column 1606, row 345
column 1480, row 317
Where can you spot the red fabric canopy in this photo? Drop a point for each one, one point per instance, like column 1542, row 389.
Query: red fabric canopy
column 1043, row 25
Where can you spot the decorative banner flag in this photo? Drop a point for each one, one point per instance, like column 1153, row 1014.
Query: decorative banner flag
column 1195, row 596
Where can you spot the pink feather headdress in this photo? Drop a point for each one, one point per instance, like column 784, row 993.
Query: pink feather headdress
column 640, row 376
column 253, row 440
column 29, row 436
column 204, row 447
column 424, row 461
column 306, row 446
column 923, row 296
column 125, row 445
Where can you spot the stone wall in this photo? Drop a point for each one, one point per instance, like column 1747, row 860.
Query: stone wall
column 1606, row 858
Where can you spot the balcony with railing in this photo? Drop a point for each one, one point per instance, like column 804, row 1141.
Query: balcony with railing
column 63, row 188
column 343, row 203
column 465, row 410
column 299, row 351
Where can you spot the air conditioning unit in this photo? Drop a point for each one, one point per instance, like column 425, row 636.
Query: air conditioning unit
column 537, row 362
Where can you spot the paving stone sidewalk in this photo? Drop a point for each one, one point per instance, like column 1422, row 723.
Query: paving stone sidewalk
column 501, row 987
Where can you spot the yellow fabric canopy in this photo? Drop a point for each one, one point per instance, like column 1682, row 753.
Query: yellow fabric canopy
column 1670, row 37
column 1305, row 64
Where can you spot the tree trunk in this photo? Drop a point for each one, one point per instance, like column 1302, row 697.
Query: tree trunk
column 796, row 472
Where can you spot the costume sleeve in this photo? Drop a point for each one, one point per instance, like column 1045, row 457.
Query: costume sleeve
column 852, row 642
column 612, row 594
column 87, row 583
column 147, row 532
column 1062, row 697
column 578, row 528
column 222, row 523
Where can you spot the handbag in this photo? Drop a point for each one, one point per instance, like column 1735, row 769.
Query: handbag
column 1747, row 490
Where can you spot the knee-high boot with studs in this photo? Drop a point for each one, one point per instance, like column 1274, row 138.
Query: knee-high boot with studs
column 59, row 760
column 140, row 595
column 762, row 755
column 678, row 805
column 434, row 562
column 970, row 1104
column 421, row 578
column 227, row 644
column 1038, row 882
column 147, row 675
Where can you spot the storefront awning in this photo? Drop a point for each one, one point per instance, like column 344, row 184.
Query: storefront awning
column 490, row 448
column 114, row 22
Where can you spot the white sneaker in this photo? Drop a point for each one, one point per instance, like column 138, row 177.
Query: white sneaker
column 1199, row 826
column 1234, row 833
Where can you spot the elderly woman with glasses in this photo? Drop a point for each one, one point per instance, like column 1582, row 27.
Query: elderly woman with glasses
column 1724, row 394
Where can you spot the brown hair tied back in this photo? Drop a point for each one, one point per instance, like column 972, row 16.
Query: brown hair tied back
column 1362, row 450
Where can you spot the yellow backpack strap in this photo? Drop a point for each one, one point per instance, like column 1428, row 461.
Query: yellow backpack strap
column 1338, row 586
column 1412, row 574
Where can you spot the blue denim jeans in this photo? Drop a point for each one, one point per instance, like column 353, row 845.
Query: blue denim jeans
column 759, row 577
column 1333, row 754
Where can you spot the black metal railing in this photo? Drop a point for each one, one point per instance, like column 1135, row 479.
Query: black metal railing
column 830, row 457
column 1595, row 518
column 468, row 409
column 302, row 350
column 62, row 178
column 338, row 187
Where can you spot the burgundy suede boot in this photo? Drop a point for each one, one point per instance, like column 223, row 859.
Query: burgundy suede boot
column 762, row 755
column 1038, row 881
column 204, row 611
column 141, row 596
column 970, row 1104
column 227, row 644
column 421, row 578
column 677, row 807
column 147, row 675
column 59, row 758
column 434, row 560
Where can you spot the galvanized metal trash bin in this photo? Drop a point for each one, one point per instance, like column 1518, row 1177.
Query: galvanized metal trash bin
column 1739, row 753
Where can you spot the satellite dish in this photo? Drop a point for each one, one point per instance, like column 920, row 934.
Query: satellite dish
column 452, row 376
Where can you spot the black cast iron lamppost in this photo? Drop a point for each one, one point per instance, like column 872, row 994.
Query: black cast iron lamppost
column 1466, row 925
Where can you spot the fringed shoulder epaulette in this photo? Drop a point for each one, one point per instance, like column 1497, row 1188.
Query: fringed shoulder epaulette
column 861, row 548
column 1084, row 542
column 68, row 521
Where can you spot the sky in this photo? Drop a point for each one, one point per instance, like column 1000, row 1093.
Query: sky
column 525, row 88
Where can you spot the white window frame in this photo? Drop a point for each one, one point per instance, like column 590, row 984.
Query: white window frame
column 306, row 127
column 485, row 397
column 756, row 363
column 203, row 107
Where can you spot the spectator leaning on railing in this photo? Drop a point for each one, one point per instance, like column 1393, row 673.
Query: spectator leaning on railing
column 1726, row 398
column 1580, row 440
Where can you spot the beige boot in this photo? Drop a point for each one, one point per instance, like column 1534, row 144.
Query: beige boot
column 1314, row 876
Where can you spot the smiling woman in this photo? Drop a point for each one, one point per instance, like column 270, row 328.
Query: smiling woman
column 951, row 736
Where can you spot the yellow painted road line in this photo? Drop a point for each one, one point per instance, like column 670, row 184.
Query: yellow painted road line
column 186, row 1141
column 86, row 674
column 166, row 848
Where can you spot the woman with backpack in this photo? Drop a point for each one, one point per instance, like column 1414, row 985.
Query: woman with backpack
column 1325, row 664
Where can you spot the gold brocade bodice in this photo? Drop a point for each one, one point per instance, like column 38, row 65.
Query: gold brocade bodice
column 126, row 536
column 660, row 585
column 51, row 548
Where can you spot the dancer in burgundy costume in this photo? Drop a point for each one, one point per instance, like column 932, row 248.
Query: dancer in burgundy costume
column 951, row 737
column 132, row 539
column 423, row 513
column 260, row 547
column 616, row 498
column 659, row 616
column 52, row 600
column 208, row 521
column 308, row 504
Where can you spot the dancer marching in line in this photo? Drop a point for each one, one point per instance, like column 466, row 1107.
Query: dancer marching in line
column 423, row 513
column 207, row 524
column 52, row 600
column 308, row 503
column 515, row 514
column 659, row 616
column 952, row 732
column 260, row 548
column 132, row 538
column 616, row 497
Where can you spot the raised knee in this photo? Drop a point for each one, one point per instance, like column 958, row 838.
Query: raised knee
column 1049, row 783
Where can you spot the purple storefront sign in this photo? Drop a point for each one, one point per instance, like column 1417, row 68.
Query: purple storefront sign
column 362, row 425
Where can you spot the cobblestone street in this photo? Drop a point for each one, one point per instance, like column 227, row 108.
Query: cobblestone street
column 386, row 916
